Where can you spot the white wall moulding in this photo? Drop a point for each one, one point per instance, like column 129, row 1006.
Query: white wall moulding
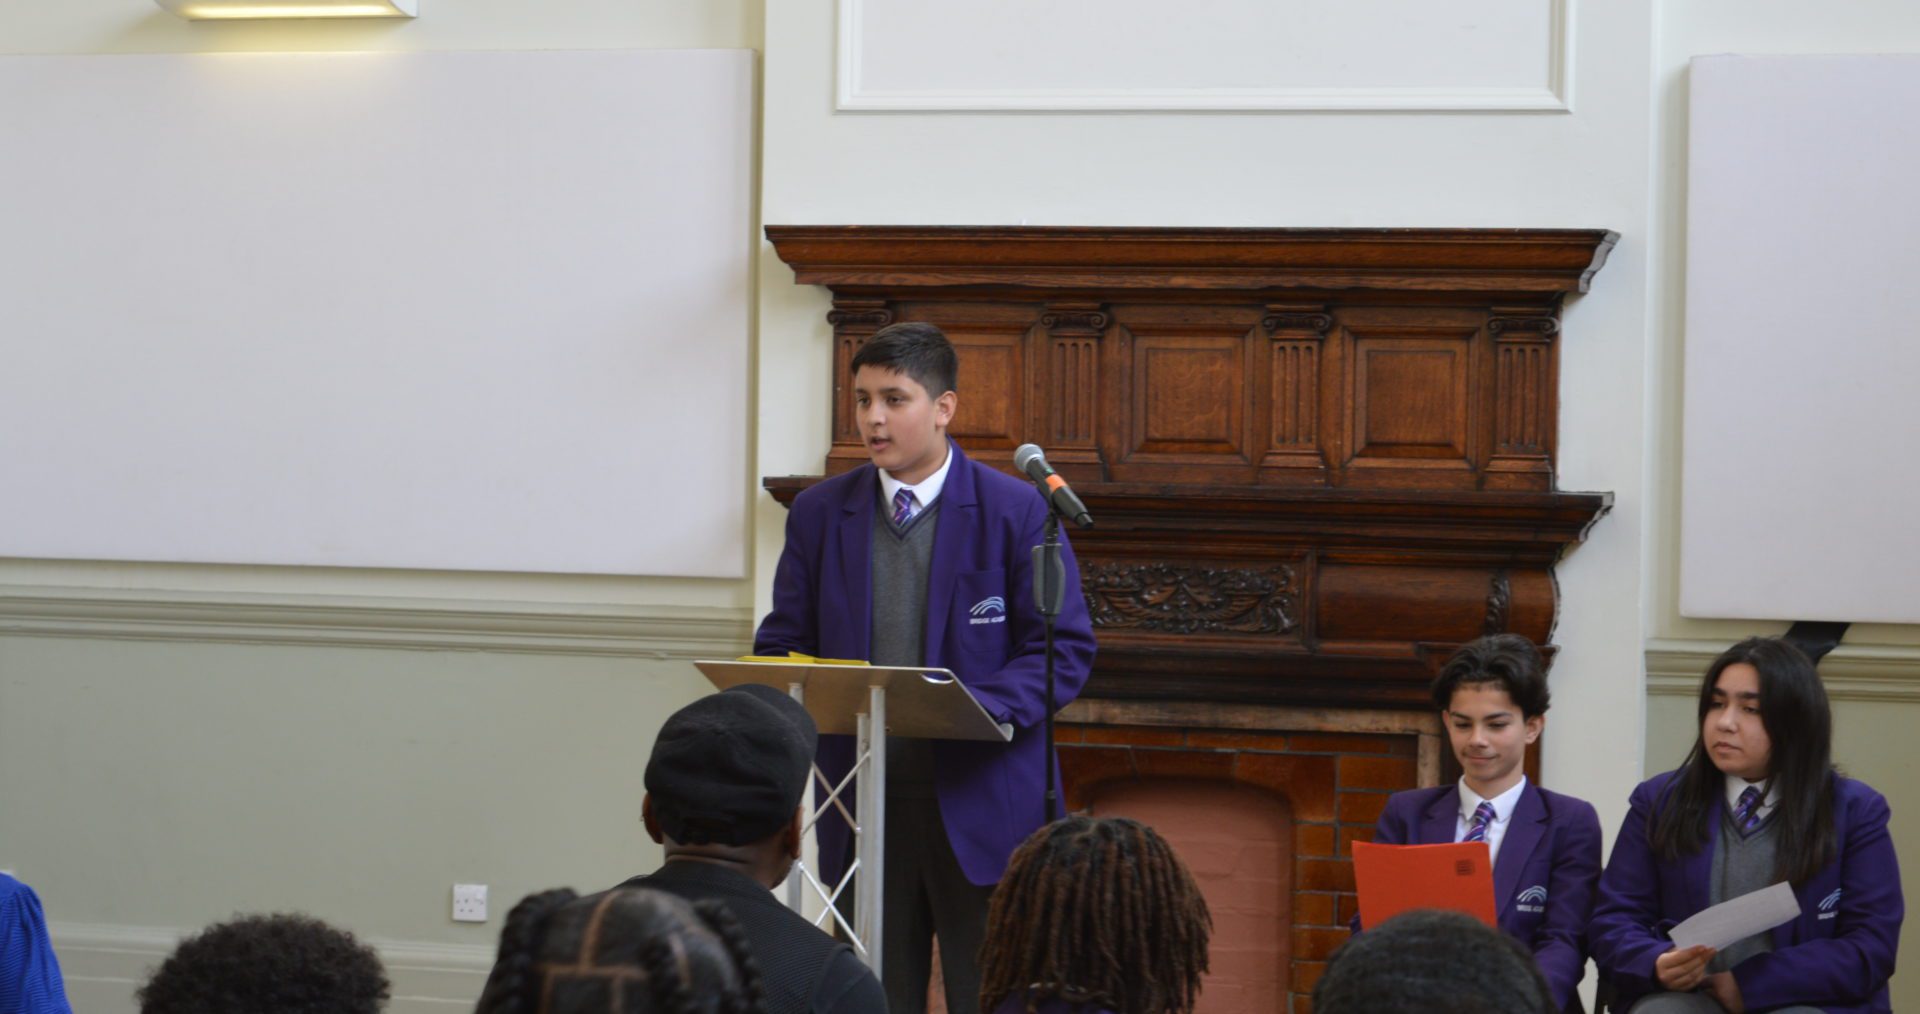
column 239, row 10
column 1209, row 55
column 654, row 632
column 1851, row 672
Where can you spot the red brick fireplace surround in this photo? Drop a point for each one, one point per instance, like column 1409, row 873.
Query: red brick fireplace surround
column 1319, row 461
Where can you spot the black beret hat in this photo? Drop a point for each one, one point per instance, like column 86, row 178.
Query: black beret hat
column 730, row 768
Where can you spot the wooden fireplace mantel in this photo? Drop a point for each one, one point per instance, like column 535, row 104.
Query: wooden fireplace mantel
column 893, row 260
column 1319, row 458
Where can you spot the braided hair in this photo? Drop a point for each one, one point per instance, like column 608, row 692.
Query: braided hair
column 1096, row 911
column 625, row 951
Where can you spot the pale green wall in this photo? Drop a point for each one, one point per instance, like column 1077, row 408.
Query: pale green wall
column 171, row 784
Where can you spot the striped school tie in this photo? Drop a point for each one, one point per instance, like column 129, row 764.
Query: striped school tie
column 902, row 506
column 1477, row 828
column 1746, row 816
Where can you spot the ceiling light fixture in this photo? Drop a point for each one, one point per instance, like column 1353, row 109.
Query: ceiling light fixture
column 235, row 10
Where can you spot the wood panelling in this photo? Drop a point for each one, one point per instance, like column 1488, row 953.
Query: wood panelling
column 1409, row 399
column 1188, row 396
column 1319, row 459
column 995, row 410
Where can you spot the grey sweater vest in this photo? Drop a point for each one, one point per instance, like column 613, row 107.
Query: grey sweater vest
column 902, row 562
column 1742, row 864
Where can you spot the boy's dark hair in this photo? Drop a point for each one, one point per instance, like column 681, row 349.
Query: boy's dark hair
column 1509, row 660
column 1432, row 962
column 289, row 964
column 1096, row 911
column 625, row 951
column 1795, row 713
column 917, row 349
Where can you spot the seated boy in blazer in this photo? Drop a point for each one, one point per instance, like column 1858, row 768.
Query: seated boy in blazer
column 1492, row 696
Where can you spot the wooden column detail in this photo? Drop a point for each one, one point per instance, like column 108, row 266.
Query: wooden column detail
column 854, row 321
column 1524, row 400
column 1296, row 336
column 1068, row 413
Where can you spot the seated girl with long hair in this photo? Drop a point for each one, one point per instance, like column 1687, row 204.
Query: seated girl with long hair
column 1756, row 802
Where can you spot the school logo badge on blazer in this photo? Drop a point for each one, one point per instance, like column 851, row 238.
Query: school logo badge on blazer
column 1533, row 899
column 1829, row 905
column 992, row 609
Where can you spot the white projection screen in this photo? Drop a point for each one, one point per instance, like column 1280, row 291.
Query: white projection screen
column 1802, row 418
column 473, row 311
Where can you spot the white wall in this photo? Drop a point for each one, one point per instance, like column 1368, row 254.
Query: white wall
column 181, row 742
column 1587, row 169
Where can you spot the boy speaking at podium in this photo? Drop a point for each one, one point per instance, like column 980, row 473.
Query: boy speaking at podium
column 924, row 558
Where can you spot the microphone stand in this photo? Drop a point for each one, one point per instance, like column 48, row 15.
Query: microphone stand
column 1049, row 592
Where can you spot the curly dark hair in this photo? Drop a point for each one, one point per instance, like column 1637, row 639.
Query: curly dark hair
column 286, row 963
column 1096, row 910
column 624, row 951
column 1509, row 661
column 1432, row 962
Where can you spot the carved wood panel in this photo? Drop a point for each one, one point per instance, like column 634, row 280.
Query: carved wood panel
column 1189, row 398
column 1412, row 408
column 1319, row 459
column 995, row 415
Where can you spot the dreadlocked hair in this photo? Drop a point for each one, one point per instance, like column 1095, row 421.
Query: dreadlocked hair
column 625, row 951
column 1096, row 910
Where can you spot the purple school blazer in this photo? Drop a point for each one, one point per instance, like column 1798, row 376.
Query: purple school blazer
column 1836, row 956
column 981, row 623
column 1543, row 877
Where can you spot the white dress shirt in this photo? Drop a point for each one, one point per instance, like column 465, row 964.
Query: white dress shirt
column 1503, row 806
column 925, row 492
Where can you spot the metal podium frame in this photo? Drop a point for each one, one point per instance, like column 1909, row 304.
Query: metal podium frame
column 865, row 701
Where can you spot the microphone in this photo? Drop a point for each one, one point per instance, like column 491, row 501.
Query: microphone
column 1029, row 458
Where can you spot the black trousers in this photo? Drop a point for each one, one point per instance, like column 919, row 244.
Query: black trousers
column 926, row 895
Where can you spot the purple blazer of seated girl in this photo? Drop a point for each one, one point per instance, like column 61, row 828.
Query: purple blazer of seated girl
column 1836, row 956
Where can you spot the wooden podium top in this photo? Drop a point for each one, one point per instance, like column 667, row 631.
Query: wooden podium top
column 922, row 702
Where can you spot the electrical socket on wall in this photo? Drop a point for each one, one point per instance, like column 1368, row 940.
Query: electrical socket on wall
column 469, row 903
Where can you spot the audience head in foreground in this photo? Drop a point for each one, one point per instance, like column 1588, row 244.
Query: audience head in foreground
column 625, row 951
column 725, row 780
column 288, row 964
column 1432, row 962
column 1095, row 914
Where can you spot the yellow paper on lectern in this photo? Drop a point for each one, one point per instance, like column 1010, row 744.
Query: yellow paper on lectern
column 797, row 657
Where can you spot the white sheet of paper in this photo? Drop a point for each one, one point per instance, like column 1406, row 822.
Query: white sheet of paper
column 1738, row 919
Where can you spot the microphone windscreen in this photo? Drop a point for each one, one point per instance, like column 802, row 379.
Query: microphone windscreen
column 1025, row 455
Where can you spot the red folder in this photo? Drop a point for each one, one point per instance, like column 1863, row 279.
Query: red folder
column 1393, row 879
